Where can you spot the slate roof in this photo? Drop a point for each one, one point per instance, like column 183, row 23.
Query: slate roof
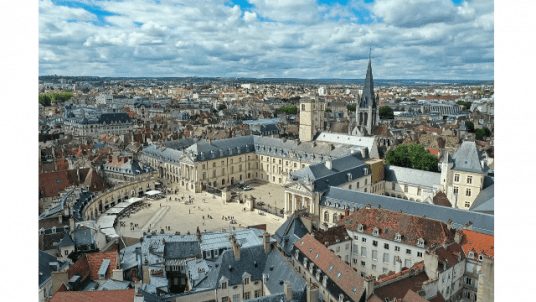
column 126, row 295
column 113, row 285
column 277, row 269
column 368, row 99
column 66, row 241
column 83, row 237
column 467, row 158
column 484, row 202
column 45, row 267
column 233, row 269
column 341, row 274
column 181, row 250
column 128, row 256
column 482, row 222
column 339, row 138
column 108, row 118
column 413, row 177
column 290, row 232
column 148, row 297
column 322, row 177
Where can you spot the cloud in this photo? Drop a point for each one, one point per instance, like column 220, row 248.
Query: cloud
column 409, row 39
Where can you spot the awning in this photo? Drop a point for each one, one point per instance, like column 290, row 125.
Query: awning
column 115, row 210
column 156, row 183
column 134, row 199
column 153, row 192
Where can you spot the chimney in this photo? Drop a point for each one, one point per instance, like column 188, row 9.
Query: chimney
column 449, row 224
column 236, row 250
column 138, row 297
column 266, row 242
column 312, row 292
column 329, row 164
column 117, row 273
column 287, row 289
column 364, row 153
column 369, row 286
column 71, row 225
column 458, row 237
column 60, row 218
column 468, row 226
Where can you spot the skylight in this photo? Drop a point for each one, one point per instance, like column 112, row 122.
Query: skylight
column 331, row 268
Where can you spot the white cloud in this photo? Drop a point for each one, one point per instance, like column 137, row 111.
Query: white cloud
column 206, row 38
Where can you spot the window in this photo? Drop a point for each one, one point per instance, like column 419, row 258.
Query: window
column 386, row 246
column 393, row 186
column 349, row 187
column 363, row 239
column 214, row 173
column 375, row 255
column 246, row 281
column 214, row 165
column 335, row 217
column 363, row 251
column 456, row 177
column 365, row 190
column 222, row 162
column 468, row 281
column 223, row 285
column 419, row 254
column 224, row 299
column 347, row 246
column 397, row 249
column 366, row 180
column 469, row 179
column 326, row 216
column 246, row 296
column 338, row 249
column 257, row 293
column 363, row 263
column 419, row 191
column 236, row 297
column 357, row 185
column 467, row 204
column 408, row 251
column 374, row 243
column 406, row 188
column 374, row 267
column 355, row 261
column 455, row 190
column 408, row 263
column 386, row 258
column 303, row 107
column 355, row 248
column 467, row 192
column 67, row 253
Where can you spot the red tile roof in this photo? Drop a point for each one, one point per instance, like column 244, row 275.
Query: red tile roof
column 400, row 288
column 449, row 256
column 479, row 244
column 332, row 235
column 349, row 278
column 81, row 266
column 389, row 223
column 438, row 298
column 95, row 261
column 124, row 295
column 441, row 199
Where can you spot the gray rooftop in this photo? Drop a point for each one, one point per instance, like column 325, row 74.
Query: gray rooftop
column 410, row 176
column 483, row 223
column 467, row 158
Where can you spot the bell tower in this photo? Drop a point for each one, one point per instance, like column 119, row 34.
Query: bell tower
column 311, row 118
column 367, row 111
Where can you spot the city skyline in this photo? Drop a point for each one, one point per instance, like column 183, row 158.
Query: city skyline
column 420, row 39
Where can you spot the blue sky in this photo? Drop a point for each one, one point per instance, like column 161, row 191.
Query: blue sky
column 425, row 39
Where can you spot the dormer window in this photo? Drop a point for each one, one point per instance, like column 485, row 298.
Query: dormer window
column 398, row 237
column 360, row 227
column 480, row 258
column 375, row 232
column 420, row 242
column 223, row 284
column 246, row 281
column 349, row 176
column 471, row 255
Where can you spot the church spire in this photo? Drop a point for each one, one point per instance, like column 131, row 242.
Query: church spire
column 368, row 98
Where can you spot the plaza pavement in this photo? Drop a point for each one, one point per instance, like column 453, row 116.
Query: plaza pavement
column 181, row 217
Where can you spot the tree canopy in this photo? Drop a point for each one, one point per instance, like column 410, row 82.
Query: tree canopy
column 466, row 105
column 413, row 156
column 470, row 126
column 221, row 107
column 351, row 107
column 328, row 110
column 386, row 112
column 48, row 98
column 481, row 133
column 289, row 109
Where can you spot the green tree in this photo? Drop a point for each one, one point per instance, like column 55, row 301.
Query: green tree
column 386, row 112
column 470, row 126
column 289, row 109
column 221, row 107
column 481, row 133
column 328, row 110
column 413, row 156
column 351, row 107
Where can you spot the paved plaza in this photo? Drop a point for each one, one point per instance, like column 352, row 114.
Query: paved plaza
column 271, row 194
column 181, row 217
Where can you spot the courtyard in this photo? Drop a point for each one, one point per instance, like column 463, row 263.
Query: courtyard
column 176, row 215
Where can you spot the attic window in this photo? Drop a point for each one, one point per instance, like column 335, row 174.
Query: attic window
column 339, row 275
column 301, row 243
column 480, row 258
column 354, row 290
column 360, row 228
column 331, row 268
column 310, row 250
column 317, row 255
column 420, row 242
column 255, row 264
column 58, row 180
column 398, row 237
column 471, row 255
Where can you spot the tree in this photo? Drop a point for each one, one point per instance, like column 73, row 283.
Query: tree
column 328, row 110
column 481, row 133
column 386, row 112
column 289, row 109
column 221, row 107
column 465, row 105
column 470, row 126
column 351, row 107
column 413, row 156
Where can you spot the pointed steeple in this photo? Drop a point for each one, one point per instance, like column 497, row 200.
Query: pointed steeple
column 368, row 98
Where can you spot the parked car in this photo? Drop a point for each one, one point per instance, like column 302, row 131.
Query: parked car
column 260, row 203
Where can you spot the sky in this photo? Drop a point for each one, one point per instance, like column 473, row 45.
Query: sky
column 406, row 39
